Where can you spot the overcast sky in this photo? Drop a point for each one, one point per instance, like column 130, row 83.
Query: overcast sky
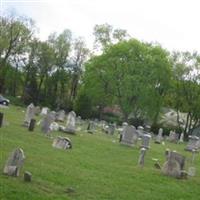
column 172, row 23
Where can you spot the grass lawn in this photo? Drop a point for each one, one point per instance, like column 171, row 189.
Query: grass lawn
column 97, row 167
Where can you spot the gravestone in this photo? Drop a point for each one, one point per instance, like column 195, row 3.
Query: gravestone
column 32, row 125
column 181, row 139
column 141, row 157
column 193, row 143
column 174, row 164
column 46, row 122
column 1, row 119
column 27, row 176
column 37, row 110
column 91, row 127
column 44, row 111
column 71, row 123
column 62, row 143
column 30, row 114
column 140, row 130
column 146, row 141
column 14, row 163
column 173, row 137
column 159, row 137
column 111, row 129
column 122, row 129
column 60, row 116
column 129, row 136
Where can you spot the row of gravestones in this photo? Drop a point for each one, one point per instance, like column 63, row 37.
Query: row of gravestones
column 49, row 118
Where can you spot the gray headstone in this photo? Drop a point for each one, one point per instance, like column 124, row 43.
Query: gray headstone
column 71, row 123
column 14, row 163
column 159, row 137
column 62, row 143
column 174, row 165
column 27, row 176
column 60, row 116
column 46, row 122
column 30, row 114
column 173, row 137
column 129, row 136
column 146, row 141
column 193, row 143
column 141, row 157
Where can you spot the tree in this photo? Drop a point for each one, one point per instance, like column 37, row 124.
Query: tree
column 15, row 34
column 132, row 74
column 186, row 88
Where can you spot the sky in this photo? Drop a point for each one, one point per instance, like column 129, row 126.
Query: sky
column 172, row 23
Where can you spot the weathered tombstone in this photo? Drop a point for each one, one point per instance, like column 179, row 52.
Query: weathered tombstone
column 140, row 130
column 60, row 116
column 37, row 110
column 141, row 157
column 27, row 176
column 14, row 163
column 193, row 143
column 181, row 140
column 46, row 123
column 159, row 137
column 62, row 143
column 32, row 125
column 44, row 111
column 1, row 119
column 30, row 114
column 146, row 141
column 173, row 137
column 174, row 165
column 71, row 123
column 91, row 127
column 129, row 136
column 111, row 129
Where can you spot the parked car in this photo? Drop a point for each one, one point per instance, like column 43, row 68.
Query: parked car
column 4, row 101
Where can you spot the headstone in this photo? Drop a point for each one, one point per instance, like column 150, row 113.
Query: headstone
column 146, row 141
column 46, row 123
column 193, row 143
column 32, row 125
column 62, row 143
column 111, row 129
column 30, row 114
column 159, row 137
column 91, row 127
column 60, row 116
column 27, row 176
column 129, row 136
column 140, row 130
column 54, row 126
column 173, row 137
column 141, row 157
column 71, row 123
column 1, row 119
column 174, row 165
column 14, row 163
column 181, row 140
column 44, row 111
column 37, row 110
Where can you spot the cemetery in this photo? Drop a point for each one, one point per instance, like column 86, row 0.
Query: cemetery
column 93, row 166
column 93, row 111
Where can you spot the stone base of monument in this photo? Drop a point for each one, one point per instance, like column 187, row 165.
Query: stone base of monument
column 69, row 130
column 27, row 176
column 11, row 171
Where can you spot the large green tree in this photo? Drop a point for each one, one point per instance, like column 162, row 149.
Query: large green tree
column 132, row 74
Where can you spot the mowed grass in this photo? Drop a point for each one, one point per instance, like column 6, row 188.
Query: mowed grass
column 97, row 167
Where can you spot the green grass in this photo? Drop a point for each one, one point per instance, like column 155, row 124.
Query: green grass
column 96, row 167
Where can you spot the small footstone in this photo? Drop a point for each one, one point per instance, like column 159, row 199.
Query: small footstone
column 27, row 176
